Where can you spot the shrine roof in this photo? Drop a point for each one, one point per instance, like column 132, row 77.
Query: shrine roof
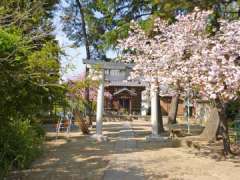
column 132, row 93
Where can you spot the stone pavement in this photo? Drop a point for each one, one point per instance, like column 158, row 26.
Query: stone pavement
column 119, row 167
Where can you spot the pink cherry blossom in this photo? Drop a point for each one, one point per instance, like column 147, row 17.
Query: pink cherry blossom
column 183, row 52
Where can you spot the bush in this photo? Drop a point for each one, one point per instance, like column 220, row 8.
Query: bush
column 232, row 108
column 20, row 143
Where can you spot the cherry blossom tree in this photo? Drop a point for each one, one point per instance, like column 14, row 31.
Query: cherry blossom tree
column 183, row 56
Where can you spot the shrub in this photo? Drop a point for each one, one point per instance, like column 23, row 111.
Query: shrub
column 233, row 108
column 20, row 143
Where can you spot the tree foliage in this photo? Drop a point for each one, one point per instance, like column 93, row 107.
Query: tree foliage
column 29, row 73
column 109, row 20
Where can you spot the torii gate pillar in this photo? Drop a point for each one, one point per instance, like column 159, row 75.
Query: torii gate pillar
column 100, row 106
column 154, row 112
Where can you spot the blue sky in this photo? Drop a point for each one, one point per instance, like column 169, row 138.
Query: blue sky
column 71, row 63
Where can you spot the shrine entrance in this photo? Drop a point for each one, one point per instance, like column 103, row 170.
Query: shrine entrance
column 124, row 99
column 124, row 104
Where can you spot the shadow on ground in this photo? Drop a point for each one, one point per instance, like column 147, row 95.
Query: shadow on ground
column 81, row 157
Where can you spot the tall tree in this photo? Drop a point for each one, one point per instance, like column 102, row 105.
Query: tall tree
column 88, row 54
column 109, row 20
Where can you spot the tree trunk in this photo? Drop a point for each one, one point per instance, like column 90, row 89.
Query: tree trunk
column 223, row 132
column 82, row 123
column 90, row 115
column 90, row 120
column 172, row 115
column 87, row 46
column 160, row 118
column 223, row 127
column 88, row 54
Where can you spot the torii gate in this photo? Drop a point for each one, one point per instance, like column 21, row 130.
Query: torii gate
column 102, row 66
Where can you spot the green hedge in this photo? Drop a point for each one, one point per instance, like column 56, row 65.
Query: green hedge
column 20, row 144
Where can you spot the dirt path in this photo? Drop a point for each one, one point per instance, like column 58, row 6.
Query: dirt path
column 120, row 168
column 126, row 156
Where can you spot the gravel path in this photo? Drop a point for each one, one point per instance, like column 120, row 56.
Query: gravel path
column 119, row 168
column 126, row 156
